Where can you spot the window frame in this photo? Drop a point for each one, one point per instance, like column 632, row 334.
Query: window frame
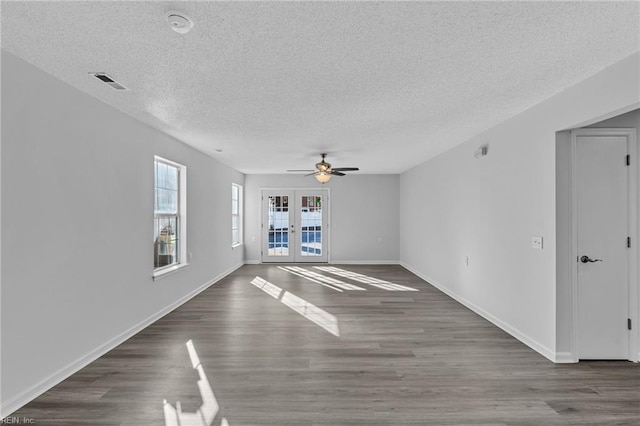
column 181, row 217
column 239, row 215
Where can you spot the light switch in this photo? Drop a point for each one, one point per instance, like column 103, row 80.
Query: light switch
column 536, row 243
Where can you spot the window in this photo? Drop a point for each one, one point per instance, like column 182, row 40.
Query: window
column 169, row 239
column 236, row 214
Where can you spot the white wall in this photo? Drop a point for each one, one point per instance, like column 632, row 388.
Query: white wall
column 77, row 230
column 489, row 208
column 363, row 215
column 628, row 120
column 564, row 256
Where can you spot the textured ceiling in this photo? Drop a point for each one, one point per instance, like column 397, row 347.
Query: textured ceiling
column 379, row 85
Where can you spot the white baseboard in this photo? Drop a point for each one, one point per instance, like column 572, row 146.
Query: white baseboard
column 342, row 262
column 38, row 389
column 532, row 343
column 565, row 358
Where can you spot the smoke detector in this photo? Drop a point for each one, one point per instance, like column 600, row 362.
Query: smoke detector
column 179, row 22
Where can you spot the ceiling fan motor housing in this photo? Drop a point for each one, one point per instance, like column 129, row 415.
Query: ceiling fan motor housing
column 323, row 166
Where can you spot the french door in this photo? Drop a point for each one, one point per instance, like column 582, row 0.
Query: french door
column 294, row 225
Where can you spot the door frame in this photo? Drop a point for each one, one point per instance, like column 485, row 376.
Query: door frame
column 633, row 290
column 294, row 189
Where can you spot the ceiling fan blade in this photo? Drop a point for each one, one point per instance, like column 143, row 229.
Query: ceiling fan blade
column 323, row 168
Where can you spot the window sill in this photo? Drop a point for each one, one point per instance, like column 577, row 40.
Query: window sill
column 161, row 273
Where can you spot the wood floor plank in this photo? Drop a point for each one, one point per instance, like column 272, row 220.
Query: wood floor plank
column 401, row 358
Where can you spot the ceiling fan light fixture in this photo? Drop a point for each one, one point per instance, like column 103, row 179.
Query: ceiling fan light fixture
column 324, row 172
column 323, row 177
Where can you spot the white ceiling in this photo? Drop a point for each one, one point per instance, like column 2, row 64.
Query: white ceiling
column 379, row 85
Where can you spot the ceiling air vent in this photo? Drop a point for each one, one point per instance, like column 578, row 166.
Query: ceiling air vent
column 108, row 80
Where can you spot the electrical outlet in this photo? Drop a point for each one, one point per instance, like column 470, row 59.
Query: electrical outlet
column 536, row 243
column 466, row 260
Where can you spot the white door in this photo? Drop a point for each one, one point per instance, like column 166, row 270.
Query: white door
column 294, row 226
column 602, row 214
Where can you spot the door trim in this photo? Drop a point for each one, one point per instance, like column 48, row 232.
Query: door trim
column 294, row 189
column 633, row 289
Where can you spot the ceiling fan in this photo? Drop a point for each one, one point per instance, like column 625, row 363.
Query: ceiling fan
column 324, row 171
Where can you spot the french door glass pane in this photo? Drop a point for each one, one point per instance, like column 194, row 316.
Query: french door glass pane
column 311, row 225
column 278, row 225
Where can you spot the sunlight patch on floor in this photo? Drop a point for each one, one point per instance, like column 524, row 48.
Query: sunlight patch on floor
column 308, row 310
column 310, row 279
column 311, row 312
column 365, row 279
column 264, row 285
column 322, row 278
column 204, row 416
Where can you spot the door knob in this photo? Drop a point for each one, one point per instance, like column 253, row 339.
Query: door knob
column 585, row 259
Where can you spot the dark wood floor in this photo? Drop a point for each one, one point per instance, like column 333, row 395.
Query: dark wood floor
column 383, row 355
